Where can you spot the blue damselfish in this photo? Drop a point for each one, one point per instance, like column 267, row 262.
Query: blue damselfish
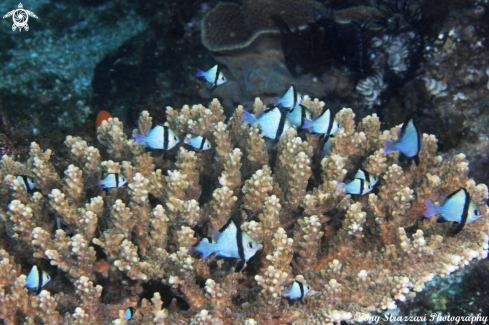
column 458, row 207
column 409, row 142
column 290, row 99
column 273, row 123
column 230, row 242
column 160, row 137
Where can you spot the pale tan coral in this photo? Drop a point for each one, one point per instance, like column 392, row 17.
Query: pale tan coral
column 353, row 251
column 308, row 237
column 182, row 281
column 89, row 296
column 45, row 306
column 87, row 157
column 46, row 177
column 354, row 220
column 22, row 218
column 231, row 176
column 370, row 125
column 282, row 252
column 159, row 315
column 273, row 282
column 130, row 262
column 187, row 163
column 221, row 207
column 110, row 134
column 315, row 106
column 73, row 255
column 220, row 295
column 269, row 223
column 293, row 170
column 16, row 300
column 256, row 189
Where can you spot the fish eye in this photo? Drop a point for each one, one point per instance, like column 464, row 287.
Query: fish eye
column 476, row 212
column 308, row 287
column 250, row 245
column 175, row 138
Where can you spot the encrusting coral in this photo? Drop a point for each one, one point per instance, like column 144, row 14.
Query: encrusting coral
column 360, row 254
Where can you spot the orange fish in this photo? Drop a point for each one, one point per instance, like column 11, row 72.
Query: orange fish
column 102, row 116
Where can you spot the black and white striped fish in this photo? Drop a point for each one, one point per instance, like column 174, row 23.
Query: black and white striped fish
column 290, row 99
column 298, row 114
column 409, row 142
column 114, row 180
column 28, row 182
column 36, row 279
column 298, row 291
column 458, row 207
column 214, row 76
column 357, row 186
column 231, row 242
column 197, row 142
column 323, row 124
column 160, row 137
column 273, row 123
column 129, row 313
column 369, row 177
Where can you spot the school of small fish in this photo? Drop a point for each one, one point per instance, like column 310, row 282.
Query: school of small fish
column 230, row 241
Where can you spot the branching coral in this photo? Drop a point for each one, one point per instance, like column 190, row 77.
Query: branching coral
column 135, row 241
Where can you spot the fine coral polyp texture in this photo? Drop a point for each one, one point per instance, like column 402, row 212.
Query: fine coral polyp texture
column 126, row 247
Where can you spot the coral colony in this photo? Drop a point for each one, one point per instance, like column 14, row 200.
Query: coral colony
column 121, row 254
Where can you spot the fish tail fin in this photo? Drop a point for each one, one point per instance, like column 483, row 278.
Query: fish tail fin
column 389, row 146
column 140, row 139
column 204, row 248
column 248, row 118
column 431, row 209
column 99, row 182
column 307, row 123
column 277, row 101
column 200, row 73
column 285, row 293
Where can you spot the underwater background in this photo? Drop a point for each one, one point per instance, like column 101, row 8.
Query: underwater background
column 425, row 59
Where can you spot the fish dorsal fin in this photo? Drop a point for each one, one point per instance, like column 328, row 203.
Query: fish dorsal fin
column 409, row 123
column 259, row 111
column 325, row 109
column 295, row 96
column 460, row 192
column 362, row 173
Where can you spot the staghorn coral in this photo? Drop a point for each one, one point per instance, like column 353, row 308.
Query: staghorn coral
column 360, row 254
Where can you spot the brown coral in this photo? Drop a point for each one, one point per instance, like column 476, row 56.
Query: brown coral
column 356, row 252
